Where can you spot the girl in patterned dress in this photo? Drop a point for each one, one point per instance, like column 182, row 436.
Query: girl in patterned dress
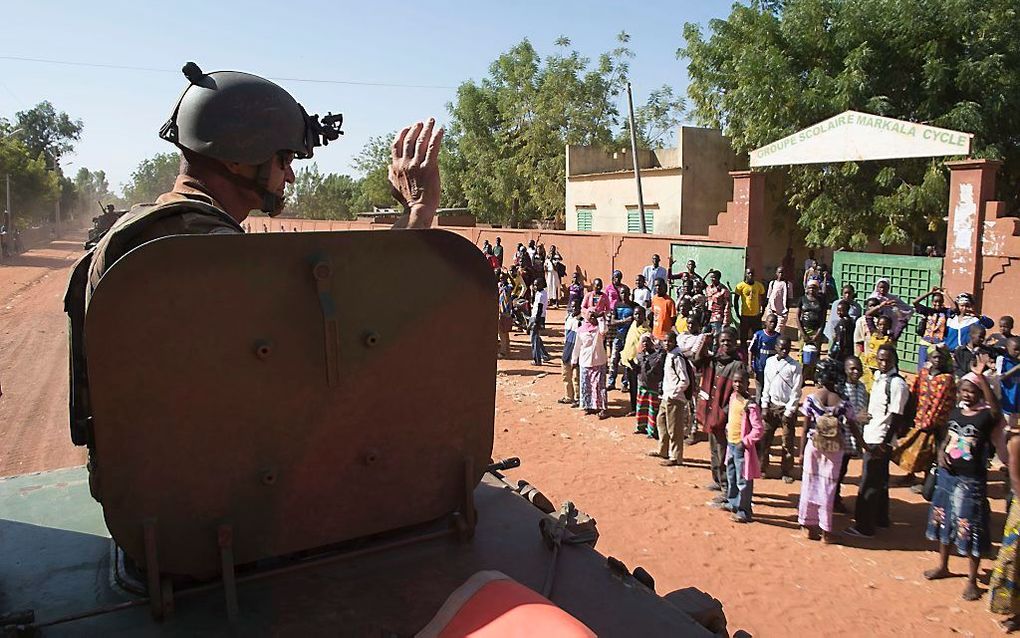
column 959, row 508
column 935, row 389
column 822, row 449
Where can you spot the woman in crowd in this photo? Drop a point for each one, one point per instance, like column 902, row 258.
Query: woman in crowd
column 935, row 389
column 880, row 337
column 596, row 301
column 1004, row 586
column 963, row 321
column 896, row 309
column 829, row 424
column 591, row 357
column 553, row 276
column 932, row 325
column 812, row 314
column 959, row 508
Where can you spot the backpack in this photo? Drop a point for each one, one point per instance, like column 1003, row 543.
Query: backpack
column 689, row 390
column 828, row 437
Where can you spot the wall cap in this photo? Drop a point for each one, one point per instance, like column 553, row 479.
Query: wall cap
column 973, row 163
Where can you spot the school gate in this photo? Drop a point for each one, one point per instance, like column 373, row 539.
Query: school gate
column 909, row 278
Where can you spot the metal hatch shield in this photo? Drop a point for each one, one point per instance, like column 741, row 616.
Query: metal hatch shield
column 304, row 389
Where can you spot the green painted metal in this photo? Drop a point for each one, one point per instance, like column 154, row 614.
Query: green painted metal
column 729, row 261
column 909, row 277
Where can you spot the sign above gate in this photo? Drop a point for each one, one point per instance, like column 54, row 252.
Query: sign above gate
column 852, row 136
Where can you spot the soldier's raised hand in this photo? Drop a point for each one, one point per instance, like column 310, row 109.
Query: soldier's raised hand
column 414, row 172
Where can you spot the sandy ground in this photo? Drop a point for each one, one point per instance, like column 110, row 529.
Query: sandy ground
column 771, row 580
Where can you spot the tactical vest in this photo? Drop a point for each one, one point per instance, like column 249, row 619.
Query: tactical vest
column 180, row 217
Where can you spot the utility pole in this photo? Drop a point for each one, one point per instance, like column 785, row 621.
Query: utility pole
column 637, row 168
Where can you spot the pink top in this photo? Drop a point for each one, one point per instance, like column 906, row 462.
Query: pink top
column 751, row 432
column 602, row 305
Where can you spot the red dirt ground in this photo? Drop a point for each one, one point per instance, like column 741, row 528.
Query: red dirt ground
column 771, row 580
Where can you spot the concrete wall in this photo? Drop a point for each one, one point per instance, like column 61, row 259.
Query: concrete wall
column 707, row 159
column 612, row 193
column 591, row 254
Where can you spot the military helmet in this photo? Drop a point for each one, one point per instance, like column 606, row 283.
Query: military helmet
column 239, row 117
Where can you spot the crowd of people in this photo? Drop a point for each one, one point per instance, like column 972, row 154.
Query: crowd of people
column 699, row 361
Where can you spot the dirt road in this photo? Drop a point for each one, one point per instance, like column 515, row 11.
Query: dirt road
column 771, row 580
column 33, row 359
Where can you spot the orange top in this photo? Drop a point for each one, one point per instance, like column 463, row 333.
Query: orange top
column 664, row 316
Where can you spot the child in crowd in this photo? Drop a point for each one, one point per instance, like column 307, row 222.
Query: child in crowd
column 1006, row 367
column 571, row 374
column 683, row 315
column 575, row 293
column 780, row 398
column 828, row 425
column 857, row 397
column 763, row 346
column 935, row 390
column 590, row 355
column 539, row 307
column 674, row 411
column 998, row 340
column 650, row 362
column 623, row 317
column 663, row 311
column 631, row 348
column 842, row 344
column 743, row 432
column 717, row 296
column 933, row 318
column 965, row 355
column 506, row 316
column 777, row 298
column 881, row 336
column 865, row 324
column 716, row 387
column 963, row 320
column 642, row 294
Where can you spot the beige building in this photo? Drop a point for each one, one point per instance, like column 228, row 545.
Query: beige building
column 685, row 188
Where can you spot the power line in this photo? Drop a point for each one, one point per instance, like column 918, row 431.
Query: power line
column 124, row 67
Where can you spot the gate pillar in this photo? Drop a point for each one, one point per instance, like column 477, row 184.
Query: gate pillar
column 971, row 187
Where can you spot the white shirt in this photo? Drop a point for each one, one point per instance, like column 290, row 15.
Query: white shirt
column 642, row 296
column 783, row 381
column 881, row 408
column 651, row 273
column 675, row 379
column 776, row 296
column 861, row 332
column 541, row 297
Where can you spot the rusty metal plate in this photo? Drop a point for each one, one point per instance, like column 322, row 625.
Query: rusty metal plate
column 303, row 388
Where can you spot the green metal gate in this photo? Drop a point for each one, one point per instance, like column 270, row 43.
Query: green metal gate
column 909, row 277
column 728, row 261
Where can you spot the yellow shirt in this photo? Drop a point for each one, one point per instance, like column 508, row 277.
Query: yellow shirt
column 681, row 325
column 735, row 422
column 632, row 344
column 750, row 298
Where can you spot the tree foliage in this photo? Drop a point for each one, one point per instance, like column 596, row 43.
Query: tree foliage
column 47, row 131
column 774, row 67
column 317, row 196
column 511, row 128
column 153, row 177
column 34, row 189
column 91, row 190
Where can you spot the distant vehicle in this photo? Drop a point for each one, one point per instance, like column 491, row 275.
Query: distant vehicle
column 101, row 224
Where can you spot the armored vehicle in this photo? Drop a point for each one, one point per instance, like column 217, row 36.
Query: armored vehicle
column 286, row 440
column 101, row 224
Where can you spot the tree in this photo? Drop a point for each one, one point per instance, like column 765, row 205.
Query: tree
column 45, row 131
column 153, row 177
column 775, row 67
column 373, row 162
column 511, row 129
column 91, row 188
column 34, row 189
column 657, row 120
column 317, row 196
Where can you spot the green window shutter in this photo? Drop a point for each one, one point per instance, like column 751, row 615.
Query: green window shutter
column 634, row 220
column 584, row 219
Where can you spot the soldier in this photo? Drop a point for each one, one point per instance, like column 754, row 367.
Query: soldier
column 238, row 135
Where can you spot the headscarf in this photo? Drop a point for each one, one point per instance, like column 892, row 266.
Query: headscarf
column 900, row 312
column 965, row 298
column 947, row 358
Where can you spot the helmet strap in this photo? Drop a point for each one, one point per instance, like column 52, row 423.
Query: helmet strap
column 272, row 204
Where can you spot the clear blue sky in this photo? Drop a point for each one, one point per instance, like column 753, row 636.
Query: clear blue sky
column 422, row 43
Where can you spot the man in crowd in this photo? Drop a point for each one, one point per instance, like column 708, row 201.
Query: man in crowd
column 653, row 272
column 642, row 294
column 497, row 251
column 780, row 399
column 749, row 298
column 677, row 392
column 713, row 399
